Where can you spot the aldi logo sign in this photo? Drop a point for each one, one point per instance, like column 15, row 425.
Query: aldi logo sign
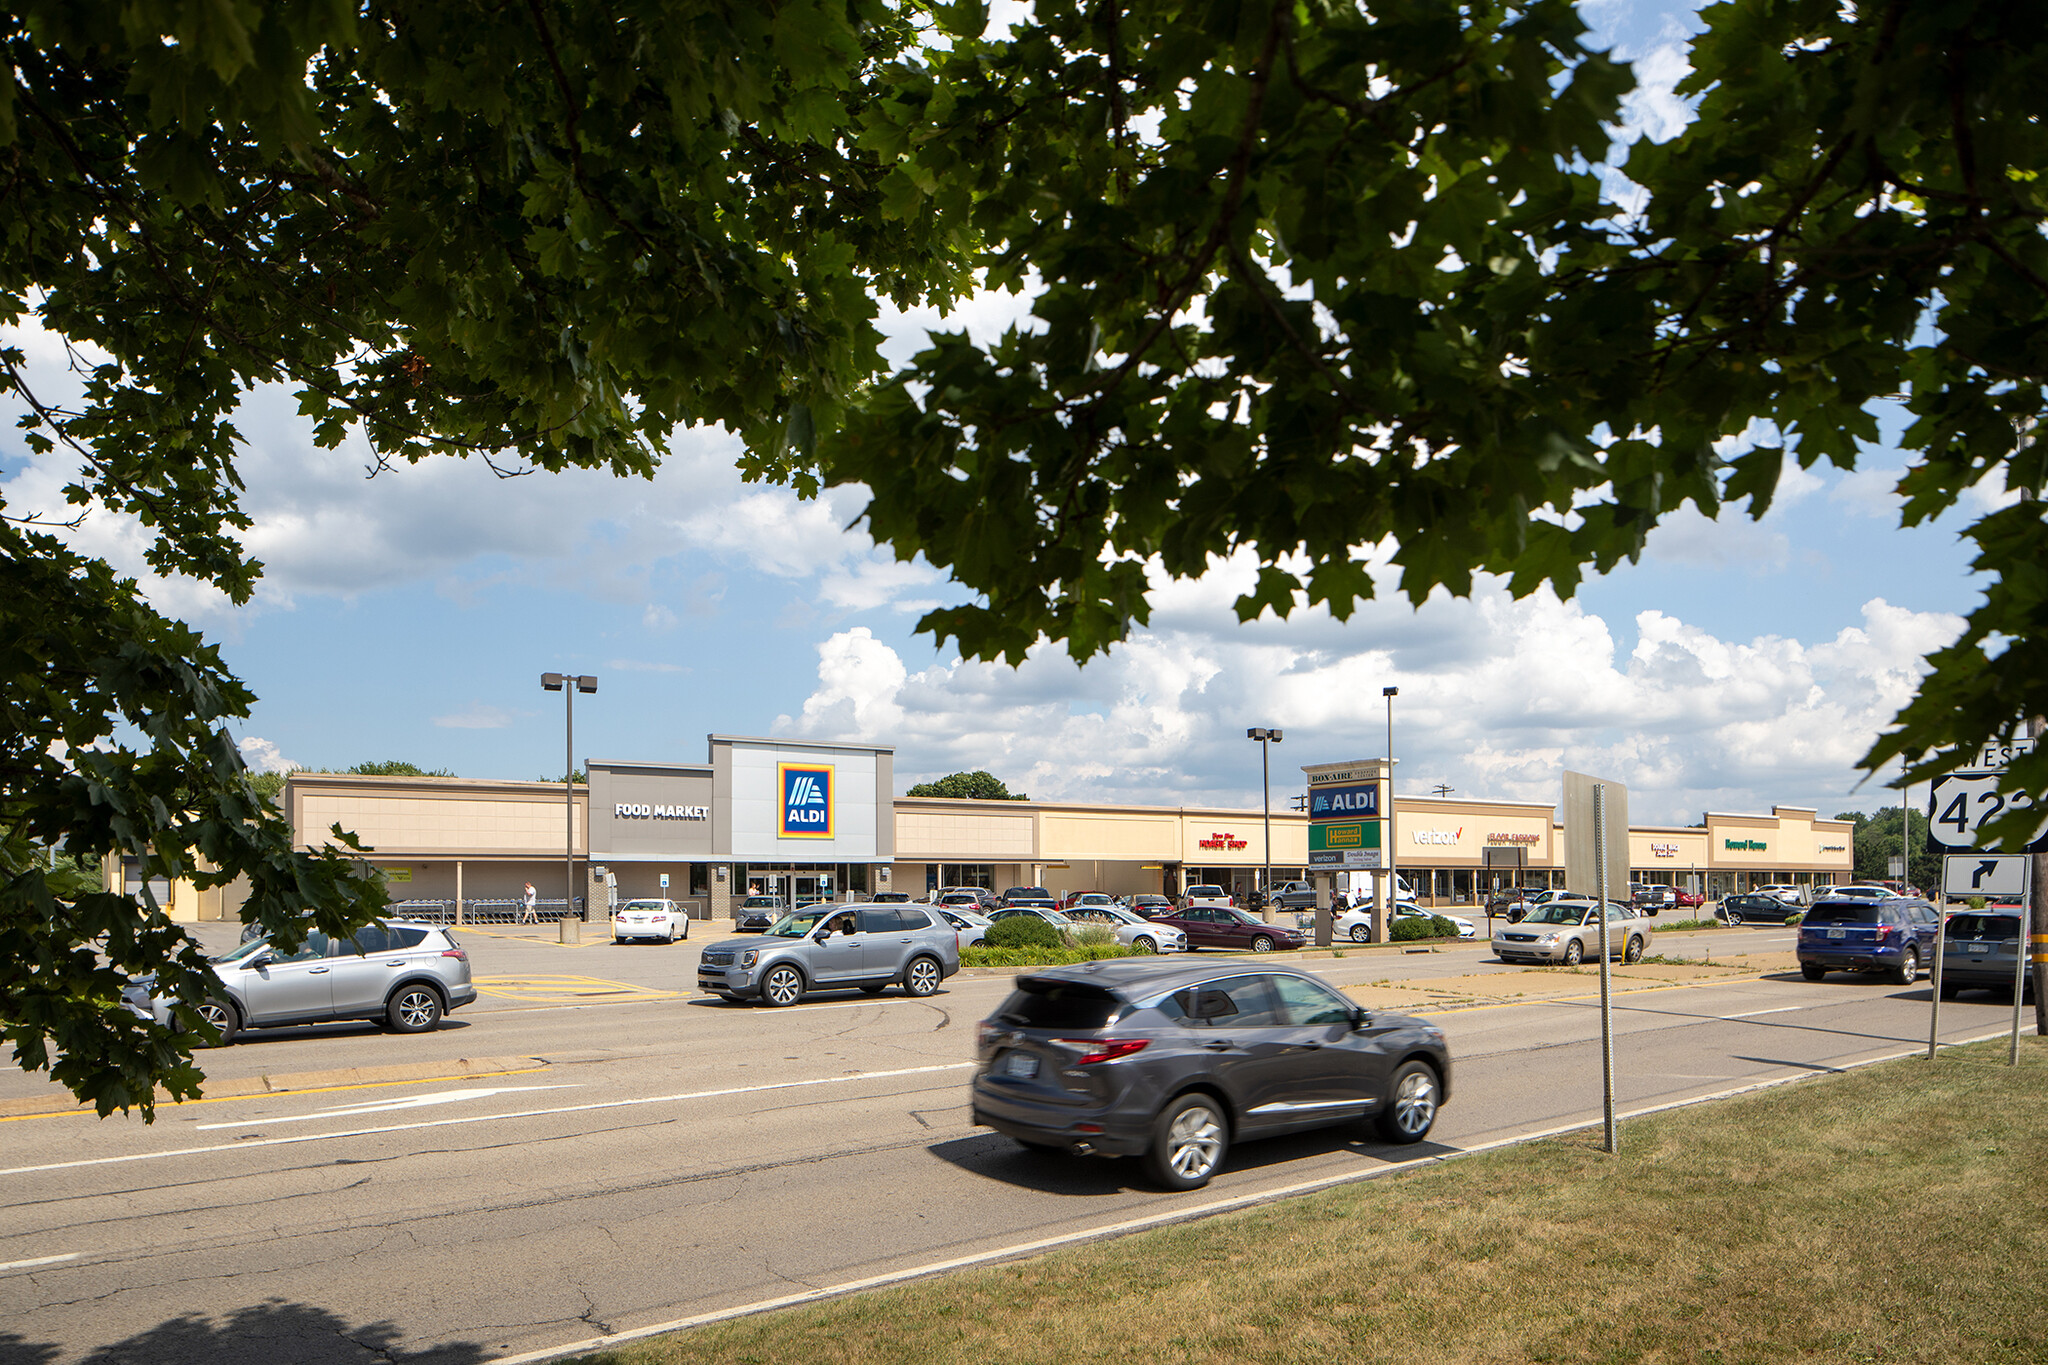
column 1345, row 803
column 806, row 800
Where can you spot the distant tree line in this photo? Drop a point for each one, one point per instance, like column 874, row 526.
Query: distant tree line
column 1881, row 837
column 975, row 786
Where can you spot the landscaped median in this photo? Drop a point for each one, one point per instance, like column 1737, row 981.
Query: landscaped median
column 1892, row 1213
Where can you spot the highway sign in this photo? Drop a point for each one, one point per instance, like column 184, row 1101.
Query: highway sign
column 2003, row 875
column 1999, row 754
column 1961, row 803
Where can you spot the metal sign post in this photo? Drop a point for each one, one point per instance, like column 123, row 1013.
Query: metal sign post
column 1940, row 951
column 1606, row 996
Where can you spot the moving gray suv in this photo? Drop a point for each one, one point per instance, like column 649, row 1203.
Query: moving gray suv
column 406, row 975
column 1174, row 1061
column 834, row 947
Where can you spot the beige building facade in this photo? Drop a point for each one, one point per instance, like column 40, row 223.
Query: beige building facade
column 810, row 821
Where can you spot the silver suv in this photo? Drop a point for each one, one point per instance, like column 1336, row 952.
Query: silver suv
column 405, row 974
column 831, row 947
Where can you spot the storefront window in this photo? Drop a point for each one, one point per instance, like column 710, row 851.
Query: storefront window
column 700, row 879
column 1461, row 885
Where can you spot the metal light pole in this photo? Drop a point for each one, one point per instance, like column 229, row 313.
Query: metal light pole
column 562, row 682
column 1393, row 878
column 1267, row 739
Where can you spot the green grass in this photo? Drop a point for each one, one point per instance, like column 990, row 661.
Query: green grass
column 1894, row 1213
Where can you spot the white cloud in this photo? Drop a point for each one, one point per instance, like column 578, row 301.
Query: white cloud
column 1496, row 697
column 477, row 717
column 265, row 757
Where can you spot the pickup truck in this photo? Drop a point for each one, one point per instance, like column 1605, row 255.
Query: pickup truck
column 1292, row 896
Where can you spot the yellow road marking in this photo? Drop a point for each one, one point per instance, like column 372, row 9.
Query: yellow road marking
column 277, row 1094
column 567, row 990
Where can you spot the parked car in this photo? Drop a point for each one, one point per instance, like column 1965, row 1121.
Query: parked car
column 1687, row 899
column 406, row 975
column 1979, row 949
column 1568, row 931
column 1056, row 918
column 1791, row 896
column 1864, row 891
column 1752, row 905
column 758, row 913
column 1205, row 894
column 1173, row 1062
column 1527, row 898
column 970, row 926
column 890, row 898
column 1894, row 936
column 1225, row 926
column 868, row 946
column 1079, row 898
column 984, row 899
column 657, row 921
column 1132, row 930
column 960, row 900
column 1028, row 895
column 1295, row 895
column 1150, row 904
column 1652, row 899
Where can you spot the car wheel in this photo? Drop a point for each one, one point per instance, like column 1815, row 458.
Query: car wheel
column 1908, row 970
column 1410, row 1111
column 1950, row 992
column 783, row 985
column 1734, row 918
column 617, row 941
column 415, row 1009
column 1144, row 944
column 1812, row 971
column 1262, row 944
column 1189, row 1139
column 223, row 1017
column 686, row 931
column 1634, row 952
column 1573, row 952
column 922, row 977
column 1359, row 933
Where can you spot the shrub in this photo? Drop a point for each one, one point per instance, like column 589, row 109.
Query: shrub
column 1041, row 957
column 1093, row 935
column 1795, row 917
column 1411, row 928
column 1023, row 931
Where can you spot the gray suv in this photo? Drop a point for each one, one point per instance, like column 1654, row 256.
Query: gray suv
column 828, row 947
column 1174, row 1062
column 406, row 975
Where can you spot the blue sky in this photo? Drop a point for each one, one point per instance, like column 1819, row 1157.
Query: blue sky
column 410, row 617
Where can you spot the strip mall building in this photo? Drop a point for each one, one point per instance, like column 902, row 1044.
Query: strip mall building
column 809, row 819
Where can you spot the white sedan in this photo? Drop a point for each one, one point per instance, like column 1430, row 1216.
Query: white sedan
column 1132, row 930
column 658, row 921
column 1356, row 924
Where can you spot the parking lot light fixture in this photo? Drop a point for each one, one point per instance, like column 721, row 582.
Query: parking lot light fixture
column 1267, row 739
column 569, row 684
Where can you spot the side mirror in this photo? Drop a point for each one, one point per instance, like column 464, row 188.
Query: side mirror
column 260, row 960
column 1360, row 1017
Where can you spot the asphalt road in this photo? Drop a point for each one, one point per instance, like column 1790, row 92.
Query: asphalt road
column 638, row 1153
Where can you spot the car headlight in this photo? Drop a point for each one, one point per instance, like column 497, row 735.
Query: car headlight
column 1548, row 938
column 748, row 959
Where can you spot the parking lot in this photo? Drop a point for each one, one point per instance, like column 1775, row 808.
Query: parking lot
column 628, row 1151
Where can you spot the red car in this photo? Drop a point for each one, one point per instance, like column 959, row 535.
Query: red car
column 1226, row 926
column 1689, row 898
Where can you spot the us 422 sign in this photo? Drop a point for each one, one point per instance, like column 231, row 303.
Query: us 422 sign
column 1963, row 803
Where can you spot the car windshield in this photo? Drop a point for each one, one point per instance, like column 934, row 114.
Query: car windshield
column 1245, row 916
column 253, row 946
column 1558, row 912
column 657, row 906
column 1121, row 914
column 760, row 903
column 1215, row 892
column 1842, row 912
column 797, row 925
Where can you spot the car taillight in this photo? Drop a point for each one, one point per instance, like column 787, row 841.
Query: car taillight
column 1094, row 1050
column 1884, row 931
column 985, row 1036
column 455, row 953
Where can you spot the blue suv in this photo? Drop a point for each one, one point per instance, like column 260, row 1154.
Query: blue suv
column 1894, row 936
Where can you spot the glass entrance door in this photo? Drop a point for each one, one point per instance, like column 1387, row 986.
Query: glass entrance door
column 806, row 892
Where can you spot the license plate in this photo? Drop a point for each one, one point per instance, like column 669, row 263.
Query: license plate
column 1838, row 933
column 1020, row 1064
column 1979, row 948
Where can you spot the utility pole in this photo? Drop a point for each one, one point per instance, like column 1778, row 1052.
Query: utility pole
column 569, row 684
column 2037, row 916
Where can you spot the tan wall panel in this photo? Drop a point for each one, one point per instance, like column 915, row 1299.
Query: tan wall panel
column 1066, row 835
column 963, row 837
column 473, row 825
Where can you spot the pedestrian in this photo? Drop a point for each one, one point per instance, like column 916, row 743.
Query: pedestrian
column 527, row 915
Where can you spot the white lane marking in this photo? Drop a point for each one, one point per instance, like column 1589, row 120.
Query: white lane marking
column 1171, row 1216
column 349, row 1111
column 248, row 1144
column 1751, row 1014
column 40, row 1260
